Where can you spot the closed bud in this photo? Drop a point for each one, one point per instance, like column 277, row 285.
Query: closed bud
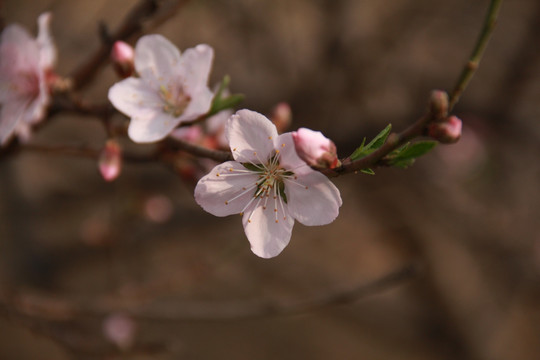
column 438, row 104
column 110, row 161
column 315, row 149
column 122, row 57
column 447, row 131
column 281, row 116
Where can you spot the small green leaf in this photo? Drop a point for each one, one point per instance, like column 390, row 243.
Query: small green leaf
column 380, row 139
column 221, row 103
column 368, row 171
column 405, row 156
column 377, row 142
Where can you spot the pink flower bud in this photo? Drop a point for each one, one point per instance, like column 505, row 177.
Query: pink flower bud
column 120, row 329
column 315, row 149
column 110, row 160
column 122, row 57
column 447, row 131
column 281, row 116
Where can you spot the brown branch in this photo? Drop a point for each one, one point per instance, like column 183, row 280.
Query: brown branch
column 85, row 152
column 199, row 151
column 50, row 308
column 145, row 15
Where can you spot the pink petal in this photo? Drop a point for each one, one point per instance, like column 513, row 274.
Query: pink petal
column 216, row 192
column 45, row 43
column 289, row 159
column 196, row 64
column 19, row 51
column 199, row 105
column 132, row 97
column 313, row 199
column 266, row 236
column 251, row 136
column 151, row 126
column 155, row 59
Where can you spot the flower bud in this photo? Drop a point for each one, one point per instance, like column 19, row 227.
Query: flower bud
column 438, row 104
column 281, row 116
column 110, row 161
column 447, row 131
column 315, row 149
column 122, row 57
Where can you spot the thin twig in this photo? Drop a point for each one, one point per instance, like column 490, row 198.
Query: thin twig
column 58, row 309
column 151, row 12
column 418, row 129
column 199, row 151
column 474, row 60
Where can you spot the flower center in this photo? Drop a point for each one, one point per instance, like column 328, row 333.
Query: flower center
column 175, row 100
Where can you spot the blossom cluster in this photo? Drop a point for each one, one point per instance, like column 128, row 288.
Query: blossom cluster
column 267, row 183
column 273, row 179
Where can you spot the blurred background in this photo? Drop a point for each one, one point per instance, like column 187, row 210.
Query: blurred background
column 465, row 216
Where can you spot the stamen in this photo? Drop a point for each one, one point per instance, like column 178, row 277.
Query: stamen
column 241, row 194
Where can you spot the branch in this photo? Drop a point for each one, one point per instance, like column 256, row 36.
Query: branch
column 395, row 140
column 199, row 151
column 54, row 309
column 146, row 14
column 474, row 60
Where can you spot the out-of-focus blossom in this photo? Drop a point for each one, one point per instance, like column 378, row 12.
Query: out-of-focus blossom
column 315, row 149
column 110, row 160
column 158, row 208
column 268, row 184
column 25, row 67
column 281, row 116
column 120, row 329
column 171, row 89
column 123, row 59
column 215, row 126
column 447, row 131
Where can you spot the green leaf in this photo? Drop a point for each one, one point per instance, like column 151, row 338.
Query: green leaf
column 221, row 103
column 377, row 142
column 368, row 171
column 380, row 139
column 405, row 156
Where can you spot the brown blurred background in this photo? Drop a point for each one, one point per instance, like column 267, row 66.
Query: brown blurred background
column 466, row 214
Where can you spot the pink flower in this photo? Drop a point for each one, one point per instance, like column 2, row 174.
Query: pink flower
column 315, row 149
column 172, row 88
column 268, row 184
column 25, row 64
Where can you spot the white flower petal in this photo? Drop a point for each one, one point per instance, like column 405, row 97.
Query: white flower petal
column 266, row 236
column 251, row 136
column 47, row 49
column 313, row 199
column 289, row 159
column 196, row 64
column 151, row 126
column 132, row 97
column 221, row 195
column 199, row 105
column 18, row 50
column 156, row 59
